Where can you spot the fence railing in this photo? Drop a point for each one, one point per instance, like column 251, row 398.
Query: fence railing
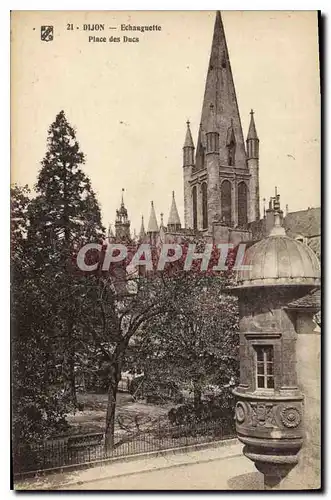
column 76, row 450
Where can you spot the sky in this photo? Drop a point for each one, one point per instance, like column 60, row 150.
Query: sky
column 129, row 102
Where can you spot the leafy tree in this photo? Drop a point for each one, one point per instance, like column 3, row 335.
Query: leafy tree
column 119, row 313
column 178, row 319
column 195, row 344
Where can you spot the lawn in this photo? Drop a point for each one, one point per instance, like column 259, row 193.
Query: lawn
column 129, row 413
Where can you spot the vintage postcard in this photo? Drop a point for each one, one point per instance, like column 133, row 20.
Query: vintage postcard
column 165, row 250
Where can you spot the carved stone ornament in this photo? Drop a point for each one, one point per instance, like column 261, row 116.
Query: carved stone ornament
column 240, row 412
column 262, row 415
column 290, row 416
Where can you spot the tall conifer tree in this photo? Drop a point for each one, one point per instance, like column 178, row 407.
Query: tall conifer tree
column 64, row 216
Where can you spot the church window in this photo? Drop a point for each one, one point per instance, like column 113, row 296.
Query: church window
column 195, row 208
column 242, row 204
column 204, row 206
column 200, row 159
column 264, row 367
column 226, row 202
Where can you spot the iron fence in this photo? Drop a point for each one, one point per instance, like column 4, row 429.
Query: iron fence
column 76, row 450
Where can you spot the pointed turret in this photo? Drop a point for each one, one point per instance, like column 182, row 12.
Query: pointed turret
column 188, row 169
column 174, row 223
column 220, row 92
column 142, row 232
column 188, row 138
column 252, row 140
column 252, row 144
column 252, row 129
column 188, row 148
column 122, row 223
column 152, row 224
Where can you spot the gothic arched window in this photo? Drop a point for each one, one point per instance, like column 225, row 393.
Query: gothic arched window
column 195, row 208
column 242, row 204
column 204, row 206
column 226, row 202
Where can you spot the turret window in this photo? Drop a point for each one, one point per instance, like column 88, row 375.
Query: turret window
column 226, row 202
column 242, row 204
column 195, row 208
column 264, row 367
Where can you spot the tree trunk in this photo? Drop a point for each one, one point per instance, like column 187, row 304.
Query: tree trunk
column 71, row 363
column 72, row 380
column 111, row 408
column 197, row 396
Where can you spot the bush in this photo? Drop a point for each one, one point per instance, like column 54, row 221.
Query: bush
column 218, row 409
column 136, row 386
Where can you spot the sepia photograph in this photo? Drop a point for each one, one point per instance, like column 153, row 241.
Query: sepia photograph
column 165, row 207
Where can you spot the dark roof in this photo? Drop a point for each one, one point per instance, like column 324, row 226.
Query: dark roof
column 304, row 222
column 310, row 301
column 315, row 245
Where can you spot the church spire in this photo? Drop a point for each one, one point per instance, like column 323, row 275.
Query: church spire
column 174, row 223
column 142, row 232
column 220, row 92
column 152, row 224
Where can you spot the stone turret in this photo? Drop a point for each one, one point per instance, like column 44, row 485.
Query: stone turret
column 174, row 223
column 271, row 419
column 122, row 223
column 188, row 166
column 252, row 143
column 153, row 228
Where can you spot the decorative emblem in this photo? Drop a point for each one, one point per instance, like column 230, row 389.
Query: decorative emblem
column 46, row 33
column 240, row 412
column 290, row 416
column 263, row 415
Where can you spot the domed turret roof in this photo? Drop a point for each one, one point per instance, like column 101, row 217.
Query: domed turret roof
column 279, row 260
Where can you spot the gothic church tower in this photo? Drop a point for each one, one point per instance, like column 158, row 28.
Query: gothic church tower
column 122, row 223
column 221, row 180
